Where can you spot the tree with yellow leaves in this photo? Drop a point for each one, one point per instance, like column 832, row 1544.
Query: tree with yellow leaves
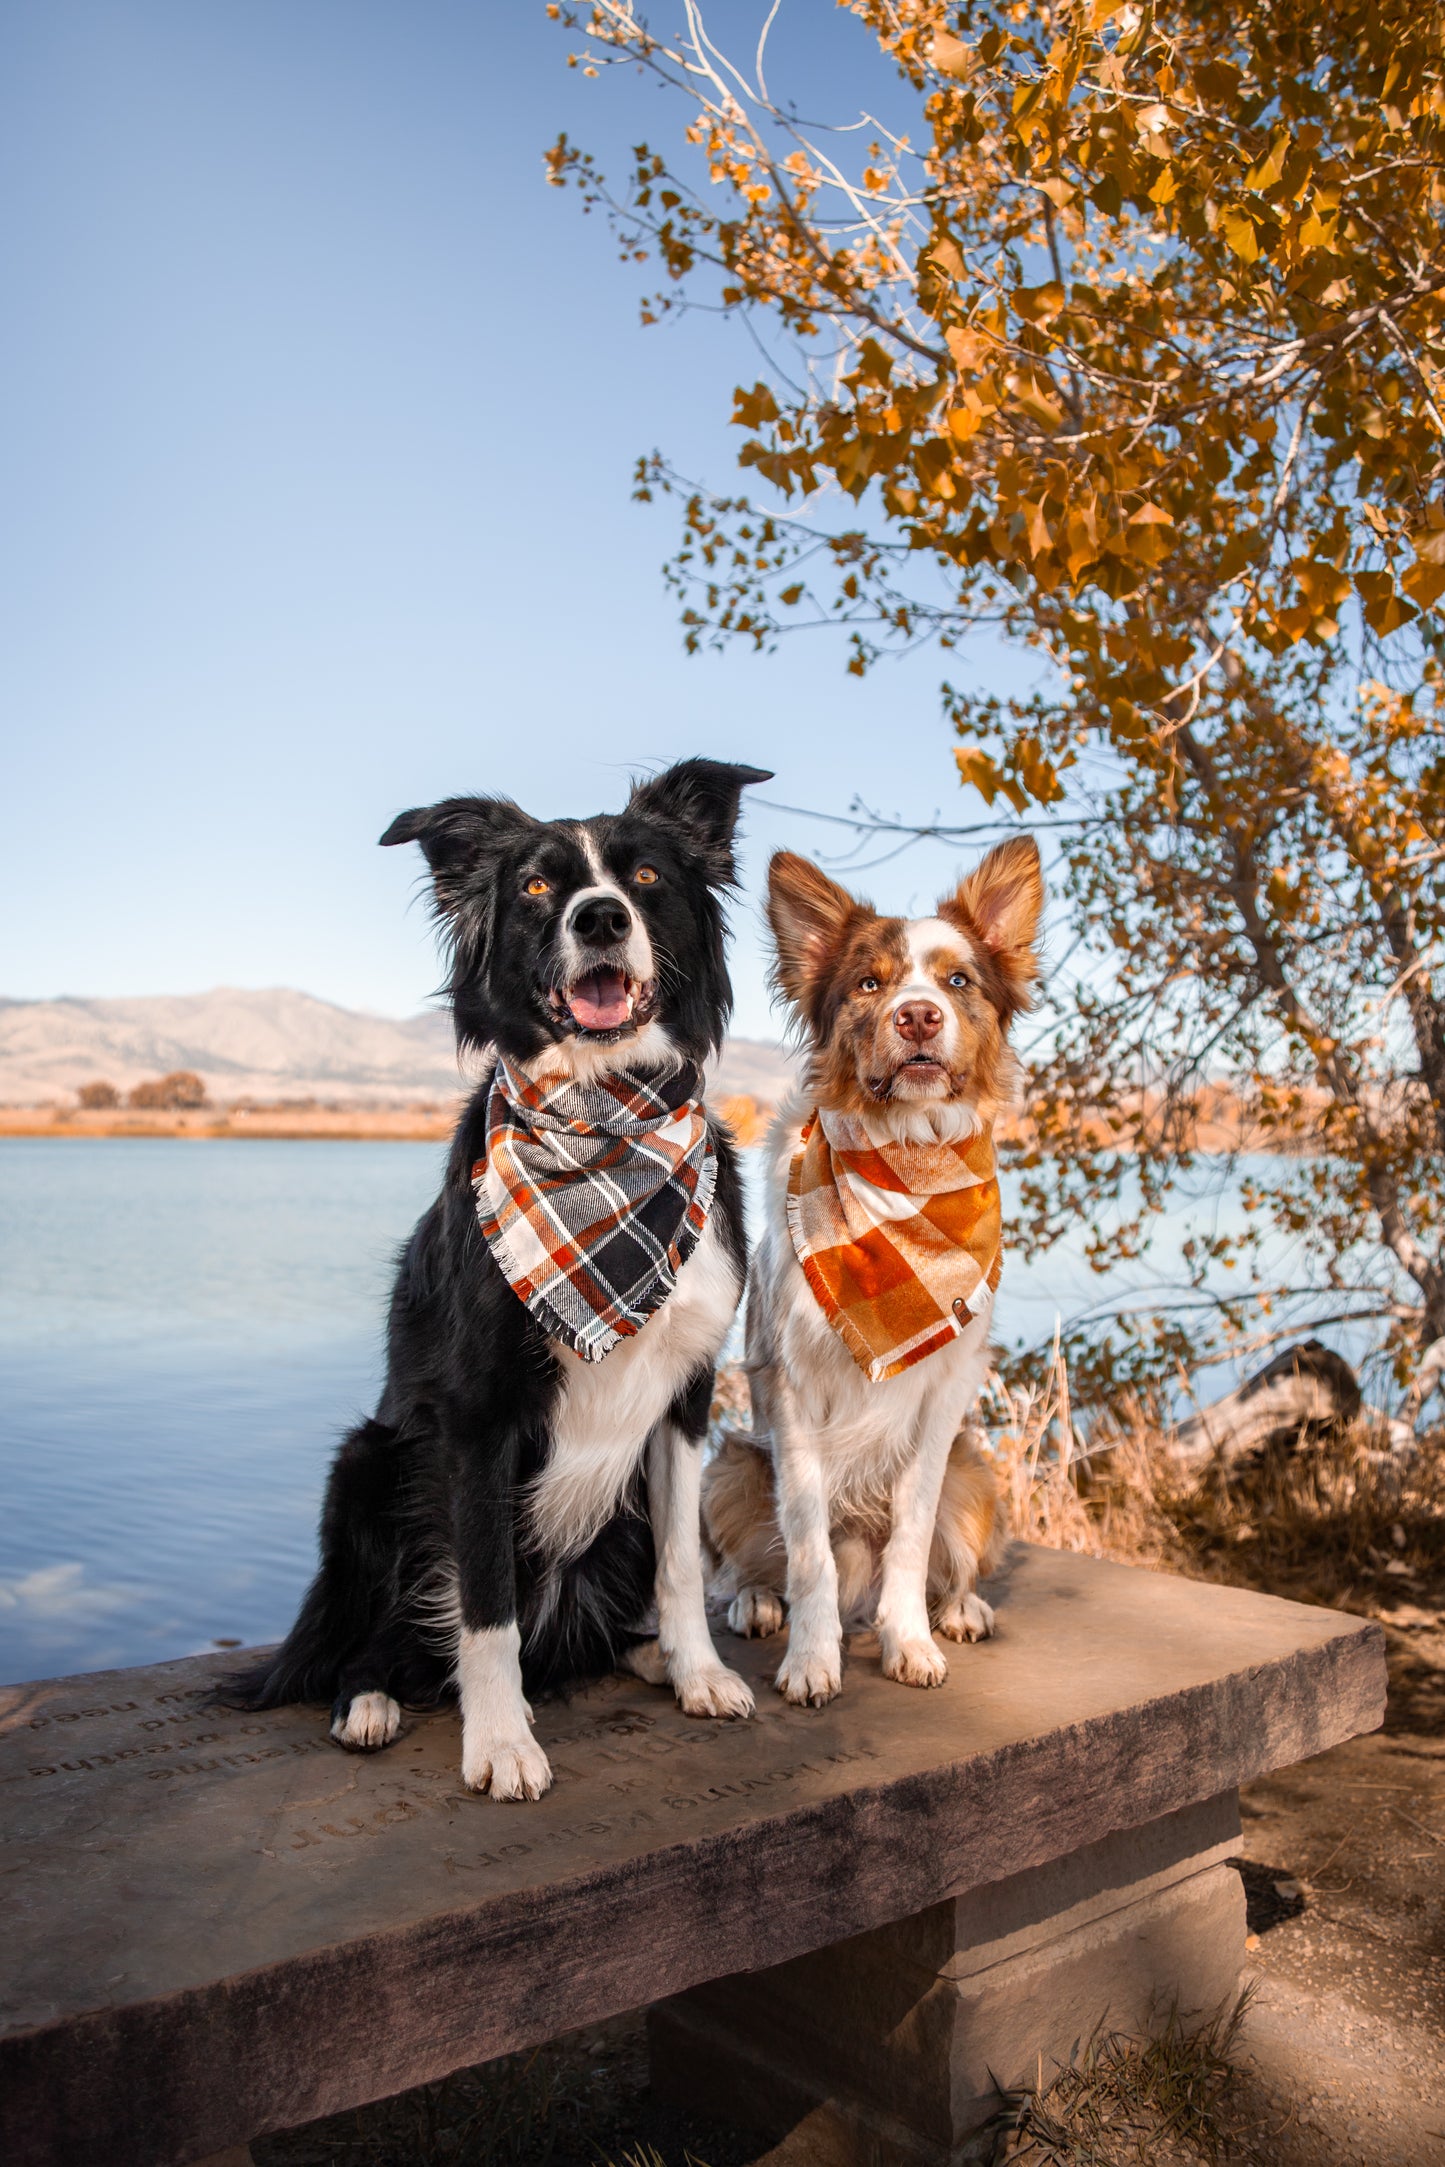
column 1123, row 332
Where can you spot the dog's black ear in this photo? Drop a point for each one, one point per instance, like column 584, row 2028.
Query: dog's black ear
column 701, row 797
column 459, row 837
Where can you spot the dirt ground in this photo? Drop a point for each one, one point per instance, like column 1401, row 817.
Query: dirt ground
column 1346, row 2040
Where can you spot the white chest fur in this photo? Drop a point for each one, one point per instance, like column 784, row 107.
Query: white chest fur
column 607, row 1410
column 862, row 1432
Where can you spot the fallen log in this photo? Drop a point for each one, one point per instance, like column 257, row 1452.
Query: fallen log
column 1307, row 1389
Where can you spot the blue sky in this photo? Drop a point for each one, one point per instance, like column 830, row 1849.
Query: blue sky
column 318, row 419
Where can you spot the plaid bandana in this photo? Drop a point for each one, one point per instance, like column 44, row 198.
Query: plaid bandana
column 900, row 1242
column 593, row 1196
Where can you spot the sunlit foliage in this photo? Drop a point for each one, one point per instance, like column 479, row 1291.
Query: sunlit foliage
column 1125, row 334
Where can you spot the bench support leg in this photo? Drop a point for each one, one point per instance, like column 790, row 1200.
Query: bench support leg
column 891, row 2047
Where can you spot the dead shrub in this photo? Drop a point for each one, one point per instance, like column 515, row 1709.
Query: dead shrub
column 179, row 1092
column 1325, row 1518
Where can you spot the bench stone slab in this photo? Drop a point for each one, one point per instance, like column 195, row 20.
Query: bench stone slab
column 218, row 1925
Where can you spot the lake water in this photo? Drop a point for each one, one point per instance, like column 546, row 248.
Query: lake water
column 185, row 1331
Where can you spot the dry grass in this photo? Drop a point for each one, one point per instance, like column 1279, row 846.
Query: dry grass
column 1130, row 2102
column 1327, row 1519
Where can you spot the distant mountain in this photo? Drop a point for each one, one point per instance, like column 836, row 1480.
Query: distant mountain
column 272, row 1044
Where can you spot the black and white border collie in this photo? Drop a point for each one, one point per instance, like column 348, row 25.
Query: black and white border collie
column 504, row 1523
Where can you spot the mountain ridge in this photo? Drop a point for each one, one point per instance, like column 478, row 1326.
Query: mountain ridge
column 271, row 1043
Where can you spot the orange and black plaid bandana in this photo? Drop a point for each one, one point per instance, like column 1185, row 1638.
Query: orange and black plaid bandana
column 592, row 1197
column 900, row 1242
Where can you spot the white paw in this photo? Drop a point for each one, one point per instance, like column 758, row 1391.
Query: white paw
column 810, row 1677
column 645, row 1660
column 755, row 1614
column 912, row 1662
column 372, row 1721
column 507, row 1767
column 713, row 1692
column 971, row 1618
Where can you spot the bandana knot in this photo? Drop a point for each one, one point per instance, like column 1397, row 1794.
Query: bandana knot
column 592, row 1197
column 900, row 1243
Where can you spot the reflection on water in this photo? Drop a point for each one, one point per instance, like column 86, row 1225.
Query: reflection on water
column 185, row 1329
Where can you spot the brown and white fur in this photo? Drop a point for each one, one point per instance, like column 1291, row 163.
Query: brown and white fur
column 853, row 1497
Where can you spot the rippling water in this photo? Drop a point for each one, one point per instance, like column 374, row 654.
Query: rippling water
column 185, row 1329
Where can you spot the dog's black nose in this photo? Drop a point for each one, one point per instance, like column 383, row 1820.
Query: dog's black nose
column 601, row 920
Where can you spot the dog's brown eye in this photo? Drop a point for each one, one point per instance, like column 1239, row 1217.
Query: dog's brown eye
column 867, row 985
column 645, row 876
column 537, row 886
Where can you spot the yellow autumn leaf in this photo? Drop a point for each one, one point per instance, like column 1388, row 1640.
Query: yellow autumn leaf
column 1239, row 231
column 1036, row 528
column 978, row 770
column 1323, row 585
column 1039, row 304
column 1032, row 394
column 966, row 347
column 1317, row 232
column 950, row 55
column 1269, row 169
column 1424, row 584
column 1385, row 609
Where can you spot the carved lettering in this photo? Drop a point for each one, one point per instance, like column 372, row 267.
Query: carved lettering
column 83, row 1715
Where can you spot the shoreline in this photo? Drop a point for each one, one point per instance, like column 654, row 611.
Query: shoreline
column 262, row 1128
column 418, row 1124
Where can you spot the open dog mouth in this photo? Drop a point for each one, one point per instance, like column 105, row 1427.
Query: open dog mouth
column 604, row 1001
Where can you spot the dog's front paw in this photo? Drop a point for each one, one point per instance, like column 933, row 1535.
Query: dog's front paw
column 811, row 1677
column 507, row 1767
column 755, row 1614
column 971, row 1618
column 912, row 1662
column 368, row 1722
column 717, row 1691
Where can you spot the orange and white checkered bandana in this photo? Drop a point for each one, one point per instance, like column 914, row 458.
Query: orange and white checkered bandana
column 901, row 1243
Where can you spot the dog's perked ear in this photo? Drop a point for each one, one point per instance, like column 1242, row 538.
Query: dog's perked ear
column 1000, row 903
column 459, row 836
column 810, row 916
column 701, row 798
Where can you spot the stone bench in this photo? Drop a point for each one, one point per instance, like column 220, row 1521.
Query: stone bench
column 854, row 1920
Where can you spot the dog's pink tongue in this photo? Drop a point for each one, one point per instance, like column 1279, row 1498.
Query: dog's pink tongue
column 599, row 1001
